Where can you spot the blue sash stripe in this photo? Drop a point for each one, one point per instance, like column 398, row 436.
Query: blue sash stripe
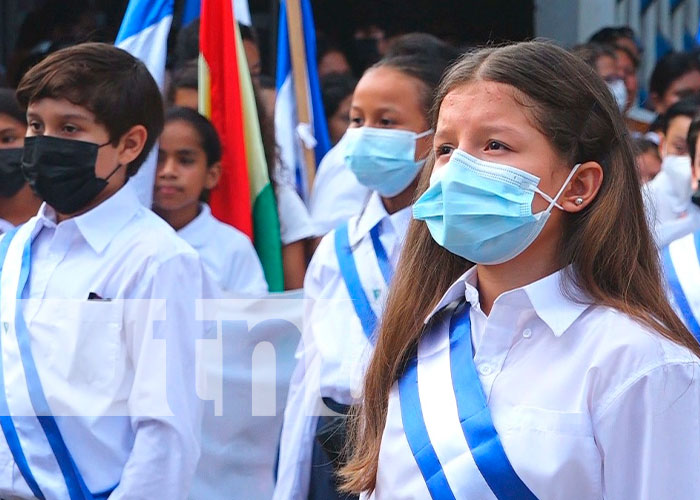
column 418, row 438
column 74, row 480
column 8, row 426
column 475, row 417
column 382, row 257
column 351, row 277
column 678, row 294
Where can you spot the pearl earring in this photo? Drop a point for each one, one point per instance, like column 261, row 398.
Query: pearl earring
column 578, row 201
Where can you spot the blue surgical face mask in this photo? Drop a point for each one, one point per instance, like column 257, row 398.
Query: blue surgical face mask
column 383, row 159
column 482, row 211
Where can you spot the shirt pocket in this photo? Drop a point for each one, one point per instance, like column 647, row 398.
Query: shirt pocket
column 554, row 452
column 83, row 338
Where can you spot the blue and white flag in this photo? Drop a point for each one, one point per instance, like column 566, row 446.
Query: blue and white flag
column 288, row 131
column 191, row 10
column 144, row 34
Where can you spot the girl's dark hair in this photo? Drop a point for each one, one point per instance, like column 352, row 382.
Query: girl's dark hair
column 334, row 88
column 606, row 250
column 670, row 68
column 427, row 70
column 185, row 77
column 208, row 138
column 10, row 106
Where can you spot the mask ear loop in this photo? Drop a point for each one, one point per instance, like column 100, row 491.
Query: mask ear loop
column 117, row 167
column 420, row 136
column 553, row 201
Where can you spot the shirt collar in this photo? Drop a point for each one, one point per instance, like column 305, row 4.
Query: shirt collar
column 193, row 232
column 546, row 296
column 374, row 213
column 100, row 224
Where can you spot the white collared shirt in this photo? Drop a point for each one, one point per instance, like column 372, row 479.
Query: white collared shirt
column 5, row 226
column 336, row 195
column 588, row 403
column 106, row 362
column 226, row 254
column 334, row 350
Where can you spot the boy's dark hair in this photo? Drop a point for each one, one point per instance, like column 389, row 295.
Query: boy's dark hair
column 111, row 83
column 611, row 34
column 334, row 88
column 693, row 133
column 685, row 107
column 248, row 33
column 670, row 68
column 423, row 44
column 208, row 137
column 185, row 77
column 10, row 107
column 590, row 52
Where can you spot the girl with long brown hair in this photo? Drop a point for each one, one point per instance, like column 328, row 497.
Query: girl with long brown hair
column 527, row 349
column 346, row 283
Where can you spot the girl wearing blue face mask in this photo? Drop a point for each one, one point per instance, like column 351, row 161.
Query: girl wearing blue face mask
column 527, row 350
column 347, row 278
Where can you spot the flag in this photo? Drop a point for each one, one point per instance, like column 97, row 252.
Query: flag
column 288, row 131
column 244, row 197
column 190, row 11
column 144, row 34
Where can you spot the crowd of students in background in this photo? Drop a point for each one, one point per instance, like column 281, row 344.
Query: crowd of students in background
column 507, row 196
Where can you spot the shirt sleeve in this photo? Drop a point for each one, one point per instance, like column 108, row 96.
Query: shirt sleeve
column 246, row 274
column 649, row 436
column 164, row 408
column 303, row 400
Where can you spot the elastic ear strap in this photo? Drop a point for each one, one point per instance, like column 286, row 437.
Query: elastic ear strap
column 425, row 134
column 553, row 201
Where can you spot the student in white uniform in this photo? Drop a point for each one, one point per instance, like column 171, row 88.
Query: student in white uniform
column 347, row 278
column 97, row 391
column 189, row 165
column 553, row 368
column 17, row 200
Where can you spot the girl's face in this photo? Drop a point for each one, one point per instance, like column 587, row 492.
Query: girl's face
column 387, row 98
column 182, row 173
column 485, row 120
column 12, row 132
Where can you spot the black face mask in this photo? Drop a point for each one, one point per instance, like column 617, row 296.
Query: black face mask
column 62, row 171
column 11, row 178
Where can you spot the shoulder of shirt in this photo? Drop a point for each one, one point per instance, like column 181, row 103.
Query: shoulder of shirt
column 622, row 351
column 149, row 236
column 228, row 234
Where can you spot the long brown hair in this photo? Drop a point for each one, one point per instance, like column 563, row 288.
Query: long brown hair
column 613, row 258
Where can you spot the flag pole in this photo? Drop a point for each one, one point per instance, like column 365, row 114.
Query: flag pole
column 297, row 49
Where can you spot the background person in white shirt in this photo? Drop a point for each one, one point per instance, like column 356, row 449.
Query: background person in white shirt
column 587, row 377
column 189, row 165
column 386, row 147
column 17, row 200
column 112, row 378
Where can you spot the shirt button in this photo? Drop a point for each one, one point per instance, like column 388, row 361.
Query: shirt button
column 485, row 369
column 527, row 333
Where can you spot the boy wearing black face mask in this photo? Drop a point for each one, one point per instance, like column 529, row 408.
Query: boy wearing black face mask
column 94, row 408
column 17, row 201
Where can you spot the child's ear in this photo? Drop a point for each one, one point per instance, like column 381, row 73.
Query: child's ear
column 131, row 144
column 213, row 176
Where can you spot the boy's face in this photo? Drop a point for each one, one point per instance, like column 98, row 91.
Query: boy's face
column 675, row 138
column 61, row 118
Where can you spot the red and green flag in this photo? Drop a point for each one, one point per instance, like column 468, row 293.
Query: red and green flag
column 244, row 197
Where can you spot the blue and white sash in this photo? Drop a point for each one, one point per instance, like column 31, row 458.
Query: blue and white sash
column 351, row 276
column 418, row 415
column 15, row 343
column 681, row 261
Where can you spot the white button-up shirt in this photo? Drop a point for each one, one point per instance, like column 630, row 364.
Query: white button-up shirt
column 5, row 226
column 336, row 195
column 102, row 362
column 226, row 253
column 334, row 351
column 588, row 403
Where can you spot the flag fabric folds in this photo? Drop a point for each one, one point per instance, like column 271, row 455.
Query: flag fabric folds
column 288, row 131
column 144, row 34
column 244, row 197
